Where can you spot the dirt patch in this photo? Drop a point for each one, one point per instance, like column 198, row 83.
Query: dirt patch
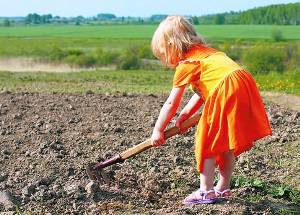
column 34, row 65
column 286, row 100
column 47, row 139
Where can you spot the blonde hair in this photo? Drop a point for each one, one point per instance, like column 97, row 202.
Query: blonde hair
column 173, row 38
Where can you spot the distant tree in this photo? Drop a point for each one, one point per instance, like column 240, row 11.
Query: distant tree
column 79, row 20
column 33, row 18
column 36, row 18
column 106, row 16
column 207, row 20
column 6, row 22
column 46, row 18
column 43, row 19
column 65, row 20
column 158, row 17
column 28, row 19
column 195, row 20
column 220, row 19
column 56, row 19
column 140, row 20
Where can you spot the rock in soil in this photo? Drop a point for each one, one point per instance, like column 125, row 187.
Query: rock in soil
column 7, row 201
column 92, row 187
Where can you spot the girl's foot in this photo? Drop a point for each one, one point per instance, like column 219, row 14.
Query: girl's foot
column 223, row 194
column 201, row 197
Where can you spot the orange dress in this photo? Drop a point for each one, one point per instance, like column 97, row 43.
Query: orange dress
column 233, row 115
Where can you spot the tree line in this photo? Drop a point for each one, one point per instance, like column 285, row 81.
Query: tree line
column 280, row 14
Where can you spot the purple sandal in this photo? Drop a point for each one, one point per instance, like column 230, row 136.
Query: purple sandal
column 223, row 194
column 200, row 197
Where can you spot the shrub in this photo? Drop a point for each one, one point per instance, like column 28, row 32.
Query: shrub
column 261, row 59
column 76, row 52
column 292, row 56
column 86, row 61
column 104, row 58
column 276, row 35
column 129, row 60
column 71, row 60
column 81, row 60
column 57, row 54
column 145, row 52
column 232, row 50
column 77, row 57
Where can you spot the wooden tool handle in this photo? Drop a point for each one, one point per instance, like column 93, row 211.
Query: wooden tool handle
column 190, row 122
column 168, row 133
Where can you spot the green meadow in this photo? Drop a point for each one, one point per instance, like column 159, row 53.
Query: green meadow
column 146, row 31
column 83, row 44
column 39, row 40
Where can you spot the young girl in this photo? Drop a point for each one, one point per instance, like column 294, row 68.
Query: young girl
column 233, row 115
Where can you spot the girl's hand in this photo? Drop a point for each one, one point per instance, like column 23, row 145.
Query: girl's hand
column 157, row 138
column 181, row 118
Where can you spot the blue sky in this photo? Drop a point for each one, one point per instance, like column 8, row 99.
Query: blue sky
column 128, row 7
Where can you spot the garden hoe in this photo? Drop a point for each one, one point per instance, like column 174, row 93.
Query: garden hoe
column 95, row 171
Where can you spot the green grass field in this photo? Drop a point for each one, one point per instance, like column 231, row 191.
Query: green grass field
column 40, row 47
column 40, row 41
column 146, row 31
column 124, row 81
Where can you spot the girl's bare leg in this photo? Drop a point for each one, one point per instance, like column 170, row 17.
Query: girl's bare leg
column 226, row 169
column 205, row 194
column 207, row 175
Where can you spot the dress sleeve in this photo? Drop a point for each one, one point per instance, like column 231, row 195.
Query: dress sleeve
column 186, row 73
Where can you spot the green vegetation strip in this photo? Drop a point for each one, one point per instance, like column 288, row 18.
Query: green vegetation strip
column 133, row 81
column 276, row 190
column 41, row 47
column 287, row 82
column 146, row 31
column 81, row 82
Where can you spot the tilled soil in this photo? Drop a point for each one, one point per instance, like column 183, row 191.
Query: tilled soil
column 46, row 141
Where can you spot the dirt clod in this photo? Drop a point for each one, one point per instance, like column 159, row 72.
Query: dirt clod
column 7, row 201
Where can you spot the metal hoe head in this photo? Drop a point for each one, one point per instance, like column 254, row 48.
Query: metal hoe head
column 95, row 170
column 95, row 174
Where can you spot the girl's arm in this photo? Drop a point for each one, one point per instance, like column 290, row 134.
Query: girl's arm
column 192, row 106
column 167, row 112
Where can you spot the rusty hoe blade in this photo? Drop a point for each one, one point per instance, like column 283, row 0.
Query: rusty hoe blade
column 95, row 175
column 95, row 171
